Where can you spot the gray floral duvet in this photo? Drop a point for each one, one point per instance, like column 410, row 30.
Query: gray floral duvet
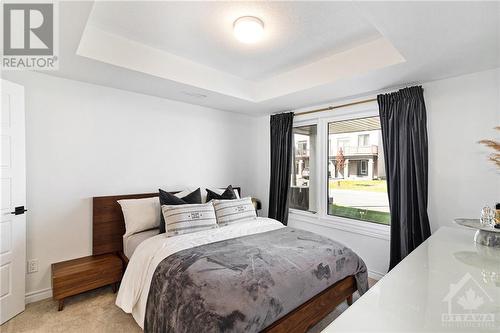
column 245, row 284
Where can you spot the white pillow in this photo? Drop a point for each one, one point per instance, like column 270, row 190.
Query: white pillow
column 140, row 214
column 218, row 191
column 233, row 211
column 184, row 219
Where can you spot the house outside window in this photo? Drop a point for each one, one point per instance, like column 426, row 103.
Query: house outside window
column 357, row 187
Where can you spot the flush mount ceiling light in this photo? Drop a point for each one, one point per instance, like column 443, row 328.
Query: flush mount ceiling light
column 248, row 29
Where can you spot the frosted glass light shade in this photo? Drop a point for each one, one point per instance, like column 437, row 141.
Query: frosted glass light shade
column 248, row 29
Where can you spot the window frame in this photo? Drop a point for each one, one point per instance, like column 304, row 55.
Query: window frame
column 321, row 217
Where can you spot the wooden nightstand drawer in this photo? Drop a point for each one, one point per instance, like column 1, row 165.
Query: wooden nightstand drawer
column 83, row 274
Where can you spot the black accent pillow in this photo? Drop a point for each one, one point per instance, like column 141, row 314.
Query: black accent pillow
column 228, row 194
column 167, row 198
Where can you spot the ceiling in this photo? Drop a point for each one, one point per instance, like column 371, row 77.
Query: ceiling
column 312, row 53
column 296, row 34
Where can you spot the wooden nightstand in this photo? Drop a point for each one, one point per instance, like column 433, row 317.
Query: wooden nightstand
column 83, row 274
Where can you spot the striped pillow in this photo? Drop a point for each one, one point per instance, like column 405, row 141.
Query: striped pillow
column 232, row 211
column 184, row 219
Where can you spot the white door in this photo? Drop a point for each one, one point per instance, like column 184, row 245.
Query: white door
column 13, row 194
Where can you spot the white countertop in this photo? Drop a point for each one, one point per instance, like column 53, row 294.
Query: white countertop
column 448, row 284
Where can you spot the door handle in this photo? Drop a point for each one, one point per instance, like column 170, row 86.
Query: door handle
column 19, row 210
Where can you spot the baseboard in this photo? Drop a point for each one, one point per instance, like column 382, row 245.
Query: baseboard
column 37, row 295
column 375, row 275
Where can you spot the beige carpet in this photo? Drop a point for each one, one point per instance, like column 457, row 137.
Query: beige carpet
column 96, row 311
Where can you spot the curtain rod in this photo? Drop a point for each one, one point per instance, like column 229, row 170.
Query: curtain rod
column 328, row 108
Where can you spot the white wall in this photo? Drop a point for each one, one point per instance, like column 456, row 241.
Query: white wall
column 461, row 111
column 263, row 162
column 84, row 140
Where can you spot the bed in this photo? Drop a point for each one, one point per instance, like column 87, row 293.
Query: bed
column 273, row 293
column 130, row 243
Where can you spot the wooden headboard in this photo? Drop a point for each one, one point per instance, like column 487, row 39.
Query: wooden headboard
column 108, row 225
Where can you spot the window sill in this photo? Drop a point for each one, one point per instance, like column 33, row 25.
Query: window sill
column 353, row 226
column 304, row 213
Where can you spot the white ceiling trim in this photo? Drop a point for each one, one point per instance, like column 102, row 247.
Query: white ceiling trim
column 110, row 48
column 101, row 45
column 359, row 60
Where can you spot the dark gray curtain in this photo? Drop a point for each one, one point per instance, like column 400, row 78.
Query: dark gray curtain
column 404, row 135
column 281, row 164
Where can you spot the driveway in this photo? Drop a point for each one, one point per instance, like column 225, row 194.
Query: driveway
column 361, row 199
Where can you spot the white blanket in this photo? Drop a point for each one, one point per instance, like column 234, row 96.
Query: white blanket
column 134, row 289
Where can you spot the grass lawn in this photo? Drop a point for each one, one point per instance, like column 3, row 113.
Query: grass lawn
column 359, row 185
column 360, row 214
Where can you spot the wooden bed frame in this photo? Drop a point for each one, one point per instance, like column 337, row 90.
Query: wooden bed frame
column 107, row 237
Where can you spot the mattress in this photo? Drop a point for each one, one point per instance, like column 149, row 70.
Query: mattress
column 131, row 242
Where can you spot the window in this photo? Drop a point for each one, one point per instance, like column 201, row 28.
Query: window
column 357, row 186
column 363, row 140
column 304, row 178
column 363, row 168
column 302, row 148
column 342, row 142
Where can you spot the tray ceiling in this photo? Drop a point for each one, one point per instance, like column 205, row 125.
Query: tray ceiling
column 313, row 52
